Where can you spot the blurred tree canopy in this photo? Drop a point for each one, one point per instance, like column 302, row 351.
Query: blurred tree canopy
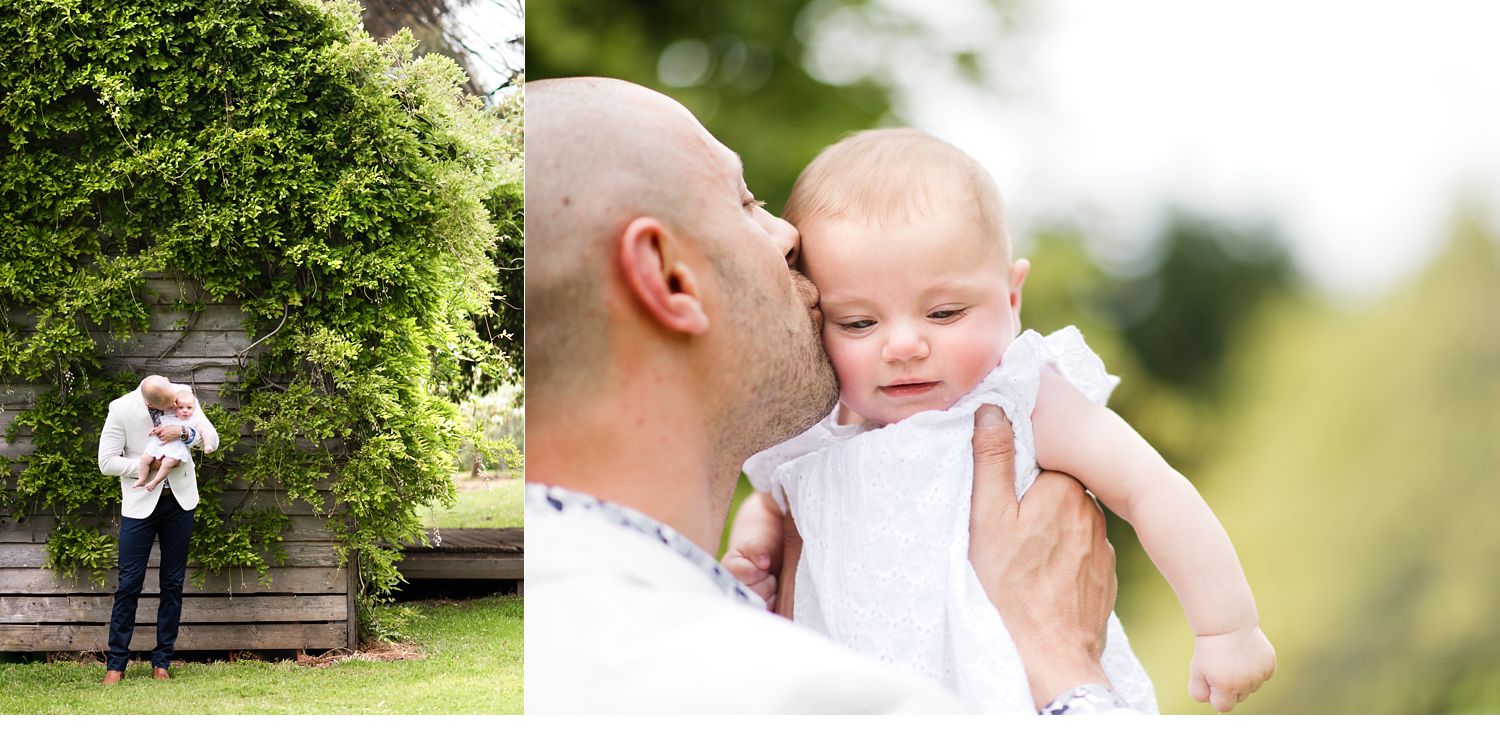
column 1356, row 473
column 1349, row 451
column 742, row 68
column 433, row 24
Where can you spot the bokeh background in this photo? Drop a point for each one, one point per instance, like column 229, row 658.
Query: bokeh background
column 1276, row 221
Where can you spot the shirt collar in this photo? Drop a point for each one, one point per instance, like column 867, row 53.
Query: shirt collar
column 561, row 501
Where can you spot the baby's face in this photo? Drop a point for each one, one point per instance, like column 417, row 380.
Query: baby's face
column 915, row 315
column 185, row 408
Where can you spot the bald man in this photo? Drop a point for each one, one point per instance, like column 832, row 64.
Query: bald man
column 667, row 341
column 149, row 515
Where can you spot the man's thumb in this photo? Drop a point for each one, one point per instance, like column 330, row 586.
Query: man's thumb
column 994, row 465
column 994, row 445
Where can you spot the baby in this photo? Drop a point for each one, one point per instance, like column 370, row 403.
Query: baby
column 167, row 454
column 904, row 237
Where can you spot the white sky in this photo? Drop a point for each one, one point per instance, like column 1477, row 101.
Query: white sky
column 1353, row 125
column 484, row 27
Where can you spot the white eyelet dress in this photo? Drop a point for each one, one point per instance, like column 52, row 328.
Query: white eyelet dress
column 884, row 518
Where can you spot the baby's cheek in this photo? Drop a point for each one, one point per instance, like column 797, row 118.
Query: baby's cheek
column 849, row 363
column 979, row 358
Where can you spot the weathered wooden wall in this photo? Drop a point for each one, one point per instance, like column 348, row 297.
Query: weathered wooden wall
column 310, row 600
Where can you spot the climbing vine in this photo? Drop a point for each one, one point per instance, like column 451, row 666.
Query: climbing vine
column 346, row 193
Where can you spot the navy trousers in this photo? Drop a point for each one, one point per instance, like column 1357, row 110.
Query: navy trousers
column 173, row 525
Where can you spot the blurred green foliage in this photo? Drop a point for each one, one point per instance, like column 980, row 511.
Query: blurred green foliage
column 1349, row 450
column 741, row 68
column 1356, row 473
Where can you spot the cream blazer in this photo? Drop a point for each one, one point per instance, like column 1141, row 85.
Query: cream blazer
column 124, row 439
column 618, row 623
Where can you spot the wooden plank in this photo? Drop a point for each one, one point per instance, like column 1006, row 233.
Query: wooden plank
column 305, row 528
column 191, row 370
column 195, row 609
column 351, row 635
column 169, row 289
column 20, row 396
column 167, row 344
column 283, row 580
column 20, row 446
column 461, row 566
column 298, row 555
column 192, row 637
column 473, row 540
column 226, row 317
column 236, row 500
column 208, row 395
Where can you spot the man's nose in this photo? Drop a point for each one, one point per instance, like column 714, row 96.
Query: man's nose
column 904, row 343
column 787, row 239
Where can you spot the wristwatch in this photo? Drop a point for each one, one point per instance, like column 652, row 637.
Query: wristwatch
column 1086, row 699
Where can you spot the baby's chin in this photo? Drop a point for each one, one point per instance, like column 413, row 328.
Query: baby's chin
column 880, row 416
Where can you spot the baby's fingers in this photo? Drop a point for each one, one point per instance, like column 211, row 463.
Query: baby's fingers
column 1223, row 700
column 742, row 567
column 746, row 571
column 1198, row 687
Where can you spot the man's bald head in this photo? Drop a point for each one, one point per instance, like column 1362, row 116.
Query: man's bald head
column 599, row 153
column 158, row 392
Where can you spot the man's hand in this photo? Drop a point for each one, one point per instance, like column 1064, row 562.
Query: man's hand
column 1044, row 562
column 167, row 433
column 755, row 546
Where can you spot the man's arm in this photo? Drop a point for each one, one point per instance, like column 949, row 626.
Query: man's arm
column 1044, row 562
column 112, row 459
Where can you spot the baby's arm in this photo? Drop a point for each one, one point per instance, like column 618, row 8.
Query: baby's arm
column 1231, row 656
column 755, row 541
column 207, row 435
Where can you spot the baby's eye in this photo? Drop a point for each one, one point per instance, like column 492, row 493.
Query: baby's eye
column 944, row 314
column 858, row 324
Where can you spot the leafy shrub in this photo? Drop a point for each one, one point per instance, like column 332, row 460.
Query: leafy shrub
column 344, row 192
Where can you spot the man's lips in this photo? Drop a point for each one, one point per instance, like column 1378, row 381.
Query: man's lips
column 908, row 389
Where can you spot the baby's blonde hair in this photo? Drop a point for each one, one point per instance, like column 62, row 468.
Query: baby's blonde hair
column 895, row 177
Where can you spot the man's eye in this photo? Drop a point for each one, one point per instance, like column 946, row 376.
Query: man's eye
column 942, row 314
column 858, row 324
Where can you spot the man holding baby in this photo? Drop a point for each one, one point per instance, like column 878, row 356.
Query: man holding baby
column 151, row 510
column 667, row 342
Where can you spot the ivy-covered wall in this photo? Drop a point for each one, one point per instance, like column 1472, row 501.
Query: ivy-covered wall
column 344, row 193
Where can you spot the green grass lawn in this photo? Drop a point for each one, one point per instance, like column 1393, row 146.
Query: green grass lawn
column 490, row 502
column 473, row 666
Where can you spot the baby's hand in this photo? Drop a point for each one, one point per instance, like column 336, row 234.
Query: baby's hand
column 753, row 555
column 1228, row 667
column 752, row 562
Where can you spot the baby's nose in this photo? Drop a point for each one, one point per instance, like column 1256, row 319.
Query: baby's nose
column 905, row 344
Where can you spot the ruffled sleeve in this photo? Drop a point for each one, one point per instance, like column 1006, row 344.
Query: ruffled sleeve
column 761, row 468
column 1071, row 358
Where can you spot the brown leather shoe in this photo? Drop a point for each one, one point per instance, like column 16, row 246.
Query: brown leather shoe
column 112, row 676
column 159, row 673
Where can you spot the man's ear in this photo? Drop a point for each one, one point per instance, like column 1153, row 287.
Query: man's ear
column 656, row 275
column 1018, row 272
